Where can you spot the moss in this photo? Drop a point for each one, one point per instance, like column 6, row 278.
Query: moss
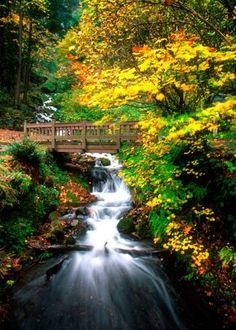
column 126, row 226
column 105, row 161
column 143, row 229
column 70, row 240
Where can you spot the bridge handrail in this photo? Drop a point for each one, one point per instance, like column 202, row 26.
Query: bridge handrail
column 81, row 132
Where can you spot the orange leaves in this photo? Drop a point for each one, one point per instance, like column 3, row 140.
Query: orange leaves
column 192, row 40
column 73, row 193
column 140, row 49
column 187, row 230
column 16, row 265
column 8, row 264
column 70, row 56
column 80, row 70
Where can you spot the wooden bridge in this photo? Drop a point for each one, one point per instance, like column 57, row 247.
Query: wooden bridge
column 82, row 136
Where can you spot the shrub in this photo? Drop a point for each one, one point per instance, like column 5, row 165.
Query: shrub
column 16, row 230
column 26, row 153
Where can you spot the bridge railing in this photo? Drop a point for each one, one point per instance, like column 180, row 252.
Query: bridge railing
column 82, row 136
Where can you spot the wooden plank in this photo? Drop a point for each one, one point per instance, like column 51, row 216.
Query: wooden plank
column 28, row 125
column 68, row 138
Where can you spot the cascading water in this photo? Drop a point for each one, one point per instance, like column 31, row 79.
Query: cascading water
column 101, row 289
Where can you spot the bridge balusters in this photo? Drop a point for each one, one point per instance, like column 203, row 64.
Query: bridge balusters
column 82, row 136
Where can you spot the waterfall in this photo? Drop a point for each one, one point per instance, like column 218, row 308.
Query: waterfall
column 45, row 112
column 100, row 289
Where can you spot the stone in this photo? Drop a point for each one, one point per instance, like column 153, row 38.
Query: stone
column 74, row 223
column 70, row 240
column 82, row 211
column 104, row 161
column 126, row 225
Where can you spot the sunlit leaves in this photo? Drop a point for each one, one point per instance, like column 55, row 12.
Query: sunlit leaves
column 175, row 77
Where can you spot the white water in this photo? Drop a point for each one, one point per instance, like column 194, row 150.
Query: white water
column 113, row 201
column 45, row 111
column 101, row 289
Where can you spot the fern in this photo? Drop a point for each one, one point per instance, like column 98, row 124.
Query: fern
column 159, row 223
column 198, row 192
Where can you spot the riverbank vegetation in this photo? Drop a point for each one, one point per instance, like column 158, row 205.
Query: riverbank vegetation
column 171, row 66
column 35, row 192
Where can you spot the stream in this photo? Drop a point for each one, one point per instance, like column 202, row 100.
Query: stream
column 99, row 289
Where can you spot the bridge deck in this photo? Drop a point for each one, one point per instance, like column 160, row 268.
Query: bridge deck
column 82, row 136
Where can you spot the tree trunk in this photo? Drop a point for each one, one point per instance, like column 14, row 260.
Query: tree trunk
column 19, row 71
column 65, row 248
column 28, row 64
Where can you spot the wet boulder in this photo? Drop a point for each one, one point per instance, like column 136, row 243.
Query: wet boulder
column 74, row 223
column 104, row 161
column 81, row 211
column 81, row 229
column 57, row 236
column 70, row 240
column 126, row 225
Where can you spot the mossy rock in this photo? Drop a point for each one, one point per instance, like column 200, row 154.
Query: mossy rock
column 90, row 160
column 126, row 226
column 57, row 236
column 70, row 240
column 105, row 161
column 81, row 228
column 143, row 229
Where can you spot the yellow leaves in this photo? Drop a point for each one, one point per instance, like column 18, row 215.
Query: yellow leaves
column 71, row 48
column 156, row 240
column 204, row 213
column 223, row 79
column 144, row 73
column 179, row 241
column 203, row 66
column 127, row 74
column 160, row 97
column 187, row 88
column 156, row 201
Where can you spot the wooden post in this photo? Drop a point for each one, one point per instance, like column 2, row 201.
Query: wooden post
column 53, row 136
column 118, row 139
column 25, row 129
column 83, row 141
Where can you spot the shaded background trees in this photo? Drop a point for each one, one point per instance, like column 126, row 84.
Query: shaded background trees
column 29, row 31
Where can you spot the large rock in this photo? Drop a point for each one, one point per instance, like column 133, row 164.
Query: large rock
column 104, row 161
column 82, row 211
column 74, row 223
column 70, row 240
column 57, row 236
column 126, row 226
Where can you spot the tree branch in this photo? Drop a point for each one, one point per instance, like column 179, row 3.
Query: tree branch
column 194, row 13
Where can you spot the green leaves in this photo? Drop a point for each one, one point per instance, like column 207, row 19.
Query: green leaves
column 228, row 255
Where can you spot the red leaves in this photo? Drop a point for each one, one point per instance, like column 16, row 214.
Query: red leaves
column 16, row 265
column 168, row 2
column 70, row 56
